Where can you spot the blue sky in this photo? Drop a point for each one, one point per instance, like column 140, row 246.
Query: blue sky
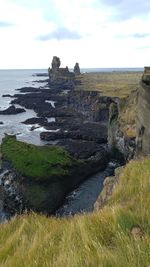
column 95, row 33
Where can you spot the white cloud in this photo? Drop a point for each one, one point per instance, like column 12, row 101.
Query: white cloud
column 104, row 43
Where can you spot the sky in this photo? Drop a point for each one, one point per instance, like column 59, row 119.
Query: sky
column 95, row 33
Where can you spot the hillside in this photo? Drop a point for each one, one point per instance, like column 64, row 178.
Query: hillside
column 116, row 236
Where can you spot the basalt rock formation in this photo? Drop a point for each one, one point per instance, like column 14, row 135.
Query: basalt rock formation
column 121, row 134
column 143, row 114
column 12, row 110
column 58, row 74
column 77, row 69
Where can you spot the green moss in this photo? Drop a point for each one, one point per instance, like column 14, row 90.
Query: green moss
column 36, row 162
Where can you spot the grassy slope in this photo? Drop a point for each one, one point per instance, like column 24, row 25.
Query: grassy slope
column 100, row 239
column 36, row 162
column 117, row 84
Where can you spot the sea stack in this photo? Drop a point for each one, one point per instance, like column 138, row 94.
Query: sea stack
column 77, row 69
column 56, row 73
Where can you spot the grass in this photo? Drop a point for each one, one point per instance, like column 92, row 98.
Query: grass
column 98, row 239
column 116, row 84
column 36, row 162
column 127, row 115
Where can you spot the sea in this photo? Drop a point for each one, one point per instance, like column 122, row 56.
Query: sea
column 10, row 81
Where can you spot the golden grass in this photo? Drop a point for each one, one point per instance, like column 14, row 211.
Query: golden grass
column 98, row 239
column 117, row 84
column 127, row 115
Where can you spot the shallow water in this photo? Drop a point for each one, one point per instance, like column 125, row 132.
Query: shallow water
column 83, row 198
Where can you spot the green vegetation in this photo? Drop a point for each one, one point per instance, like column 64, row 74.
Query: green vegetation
column 117, row 84
column 127, row 115
column 36, row 162
column 116, row 236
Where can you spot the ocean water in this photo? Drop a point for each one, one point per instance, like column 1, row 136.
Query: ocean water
column 111, row 69
column 10, row 80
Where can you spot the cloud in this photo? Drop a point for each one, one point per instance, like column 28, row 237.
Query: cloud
column 140, row 35
column 126, row 9
column 134, row 35
column 5, row 24
column 60, row 34
column 143, row 47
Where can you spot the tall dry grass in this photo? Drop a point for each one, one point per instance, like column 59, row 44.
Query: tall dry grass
column 98, row 239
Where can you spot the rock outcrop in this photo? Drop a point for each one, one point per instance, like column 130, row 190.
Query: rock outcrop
column 120, row 142
column 77, row 69
column 43, row 191
column 143, row 114
column 57, row 73
column 109, row 186
column 12, row 110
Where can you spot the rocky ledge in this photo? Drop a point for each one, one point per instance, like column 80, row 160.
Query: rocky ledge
column 80, row 117
column 12, row 110
column 83, row 122
column 39, row 178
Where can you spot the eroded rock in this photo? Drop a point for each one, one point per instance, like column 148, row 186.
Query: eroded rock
column 12, row 110
column 77, row 69
column 57, row 74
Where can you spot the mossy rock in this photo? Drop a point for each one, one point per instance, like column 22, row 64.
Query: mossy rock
column 44, row 175
column 39, row 163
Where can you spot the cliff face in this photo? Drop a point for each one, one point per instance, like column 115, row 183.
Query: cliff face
column 121, row 125
column 143, row 114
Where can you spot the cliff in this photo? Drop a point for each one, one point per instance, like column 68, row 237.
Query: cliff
column 143, row 114
column 121, row 126
column 115, row 235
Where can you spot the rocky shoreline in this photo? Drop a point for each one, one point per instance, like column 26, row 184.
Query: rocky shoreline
column 83, row 125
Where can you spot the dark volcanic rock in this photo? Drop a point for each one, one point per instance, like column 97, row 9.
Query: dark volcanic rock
column 7, row 95
column 80, row 149
column 35, row 121
column 59, row 75
column 88, row 131
column 12, row 110
column 90, row 104
column 41, row 74
column 28, row 90
column 77, row 69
